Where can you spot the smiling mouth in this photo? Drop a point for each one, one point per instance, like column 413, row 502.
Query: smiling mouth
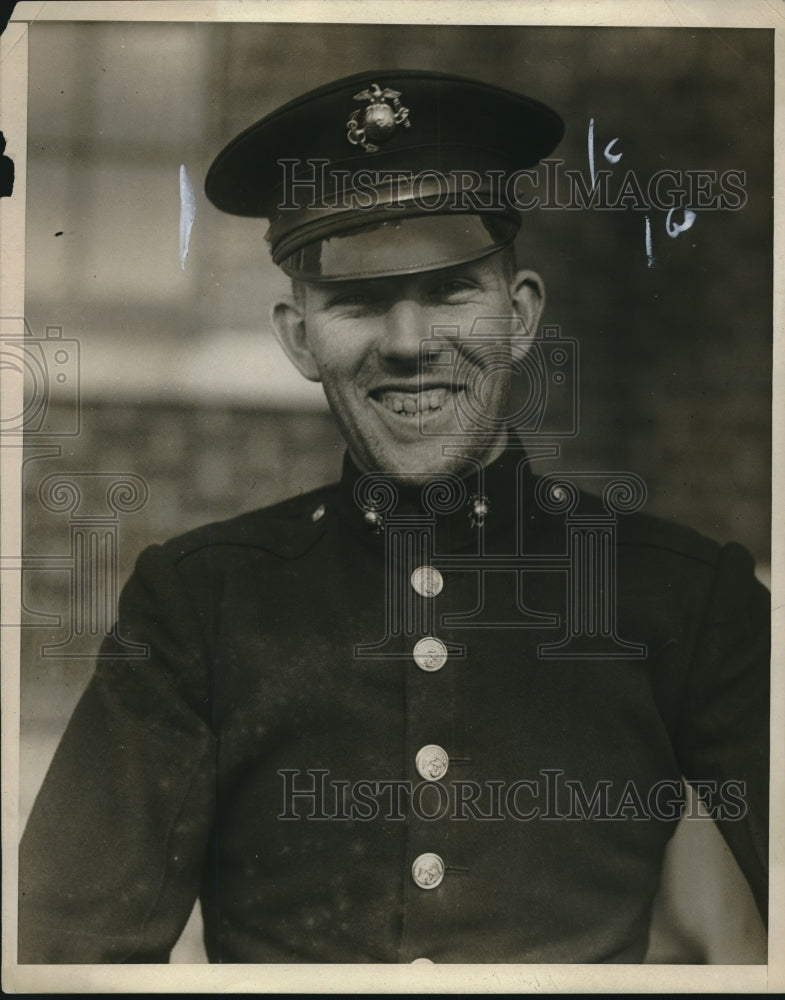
column 409, row 404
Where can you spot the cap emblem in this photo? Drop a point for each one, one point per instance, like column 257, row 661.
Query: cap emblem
column 371, row 127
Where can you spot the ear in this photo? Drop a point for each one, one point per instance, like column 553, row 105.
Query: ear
column 527, row 292
column 288, row 322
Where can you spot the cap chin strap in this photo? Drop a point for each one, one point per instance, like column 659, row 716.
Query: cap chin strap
column 399, row 245
column 430, row 194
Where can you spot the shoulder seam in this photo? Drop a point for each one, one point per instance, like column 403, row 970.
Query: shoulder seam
column 222, row 533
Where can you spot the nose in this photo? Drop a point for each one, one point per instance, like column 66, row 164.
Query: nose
column 405, row 327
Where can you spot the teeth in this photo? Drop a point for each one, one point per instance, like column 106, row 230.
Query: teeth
column 409, row 403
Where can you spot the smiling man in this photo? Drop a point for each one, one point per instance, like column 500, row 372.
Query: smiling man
column 443, row 709
column 396, row 404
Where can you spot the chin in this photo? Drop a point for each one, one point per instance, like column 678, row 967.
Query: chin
column 416, row 465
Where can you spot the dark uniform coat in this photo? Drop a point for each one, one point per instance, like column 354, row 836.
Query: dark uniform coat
column 264, row 756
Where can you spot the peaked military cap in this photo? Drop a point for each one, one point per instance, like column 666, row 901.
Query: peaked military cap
column 385, row 172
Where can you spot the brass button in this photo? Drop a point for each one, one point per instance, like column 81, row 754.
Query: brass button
column 427, row 581
column 430, row 654
column 428, row 871
column 431, row 762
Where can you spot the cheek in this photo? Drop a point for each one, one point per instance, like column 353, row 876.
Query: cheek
column 340, row 380
column 338, row 375
column 338, row 350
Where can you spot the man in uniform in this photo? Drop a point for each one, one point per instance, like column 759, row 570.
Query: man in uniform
column 444, row 708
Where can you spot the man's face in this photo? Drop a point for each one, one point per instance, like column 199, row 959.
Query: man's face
column 406, row 366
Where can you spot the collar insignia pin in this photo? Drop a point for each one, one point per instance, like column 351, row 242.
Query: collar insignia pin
column 373, row 519
column 479, row 506
column 371, row 127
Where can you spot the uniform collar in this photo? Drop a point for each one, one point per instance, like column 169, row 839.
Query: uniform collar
column 369, row 504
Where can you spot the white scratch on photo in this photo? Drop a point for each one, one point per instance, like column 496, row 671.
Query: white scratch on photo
column 187, row 213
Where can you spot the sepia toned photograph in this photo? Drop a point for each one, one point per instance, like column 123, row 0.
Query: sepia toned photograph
column 391, row 430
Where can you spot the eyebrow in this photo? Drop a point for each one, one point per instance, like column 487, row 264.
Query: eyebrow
column 359, row 287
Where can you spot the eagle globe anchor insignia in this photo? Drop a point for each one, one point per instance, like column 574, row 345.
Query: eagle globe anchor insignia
column 375, row 125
